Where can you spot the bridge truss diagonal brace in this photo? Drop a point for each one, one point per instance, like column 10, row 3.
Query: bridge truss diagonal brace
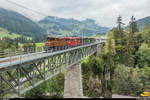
column 34, row 72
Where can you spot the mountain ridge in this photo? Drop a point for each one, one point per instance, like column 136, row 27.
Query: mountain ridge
column 59, row 26
column 141, row 23
column 15, row 22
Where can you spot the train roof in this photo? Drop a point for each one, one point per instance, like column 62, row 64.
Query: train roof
column 72, row 37
column 55, row 37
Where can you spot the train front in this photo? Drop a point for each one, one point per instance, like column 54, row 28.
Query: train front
column 48, row 44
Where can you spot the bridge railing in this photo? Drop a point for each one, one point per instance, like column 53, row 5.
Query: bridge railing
column 19, row 59
column 20, row 51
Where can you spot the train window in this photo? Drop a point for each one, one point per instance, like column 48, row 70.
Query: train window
column 47, row 38
column 56, row 39
column 50, row 38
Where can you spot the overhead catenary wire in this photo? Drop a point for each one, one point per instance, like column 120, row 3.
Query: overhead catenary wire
column 22, row 6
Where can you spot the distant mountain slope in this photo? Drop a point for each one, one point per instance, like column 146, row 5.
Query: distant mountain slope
column 141, row 23
column 71, row 27
column 17, row 23
column 5, row 33
column 146, row 29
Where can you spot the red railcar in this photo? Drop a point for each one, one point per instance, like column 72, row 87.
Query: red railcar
column 73, row 41
column 79, row 41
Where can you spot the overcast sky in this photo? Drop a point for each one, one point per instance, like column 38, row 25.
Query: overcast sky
column 103, row 11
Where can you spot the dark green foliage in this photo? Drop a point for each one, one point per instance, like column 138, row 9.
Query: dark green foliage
column 54, row 86
column 119, row 22
column 133, row 25
column 126, row 85
column 90, row 86
column 120, row 39
column 7, row 43
column 38, row 92
column 57, row 86
column 86, row 72
column 96, row 65
column 85, row 75
column 143, row 55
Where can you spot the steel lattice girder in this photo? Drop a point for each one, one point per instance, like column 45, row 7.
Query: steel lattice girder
column 20, row 78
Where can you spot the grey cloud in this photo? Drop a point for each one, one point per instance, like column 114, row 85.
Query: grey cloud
column 103, row 11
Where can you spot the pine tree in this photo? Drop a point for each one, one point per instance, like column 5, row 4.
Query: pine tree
column 119, row 37
column 133, row 25
column 119, row 22
column 131, row 44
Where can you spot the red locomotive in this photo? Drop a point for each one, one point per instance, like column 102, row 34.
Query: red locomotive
column 59, row 43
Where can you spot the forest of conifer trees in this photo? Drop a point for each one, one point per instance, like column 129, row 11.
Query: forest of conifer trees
column 125, row 59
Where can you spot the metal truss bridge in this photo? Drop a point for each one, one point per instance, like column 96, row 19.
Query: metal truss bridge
column 21, row 73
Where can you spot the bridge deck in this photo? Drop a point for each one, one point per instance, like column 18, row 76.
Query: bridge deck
column 15, row 60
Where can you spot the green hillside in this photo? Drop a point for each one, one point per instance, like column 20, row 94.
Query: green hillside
column 17, row 23
column 141, row 23
column 6, row 33
column 71, row 27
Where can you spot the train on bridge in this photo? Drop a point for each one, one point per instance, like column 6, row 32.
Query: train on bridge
column 61, row 43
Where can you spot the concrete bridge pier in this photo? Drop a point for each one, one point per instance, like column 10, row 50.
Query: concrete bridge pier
column 73, row 82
